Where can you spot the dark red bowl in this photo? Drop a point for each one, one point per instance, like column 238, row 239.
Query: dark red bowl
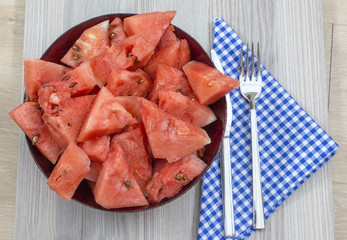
column 215, row 130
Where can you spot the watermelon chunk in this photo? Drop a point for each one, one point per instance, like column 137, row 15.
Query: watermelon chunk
column 168, row 38
column 28, row 118
column 116, row 32
column 171, row 178
column 170, row 79
column 132, row 105
column 151, row 26
column 79, row 81
column 169, row 137
column 167, row 56
column 133, row 143
column 140, row 49
column 38, row 72
column 115, row 186
column 208, row 83
column 71, row 169
column 95, row 167
column 106, row 117
column 91, row 43
column 184, row 108
column 126, row 83
column 97, row 148
column 183, row 54
column 67, row 116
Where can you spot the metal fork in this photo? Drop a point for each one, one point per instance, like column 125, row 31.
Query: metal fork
column 250, row 87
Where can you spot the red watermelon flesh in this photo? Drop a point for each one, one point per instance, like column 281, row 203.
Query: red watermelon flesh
column 71, row 169
column 184, row 55
column 116, row 32
column 208, row 83
column 97, row 148
column 170, row 79
column 134, row 145
column 168, row 56
column 126, row 83
column 95, row 167
column 151, row 26
column 70, row 114
column 159, row 164
column 28, row 118
column 91, row 43
column 171, row 178
column 79, row 81
column 115, row 186
column 141, row 49
column 38, row 72
column 184, row 108
column 106, row 116
column 169, row 137
column 132, row 105
column 168, row 38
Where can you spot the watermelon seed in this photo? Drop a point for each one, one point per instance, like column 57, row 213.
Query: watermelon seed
column 184, row 94
column 137, row 62
column 75, row 57
column 186, row 180
column 27, row 99
column 35, row 139
column 140, row 81
column 112, row 36
column 179, row 176
column 127, row 184
column 161, row 188
column 201, row 153
column 130, row 54
column 72, row 85
column 74, row 47
column 157, row 101
column 146, row 195
column 38, row 107
column 148, row 180
column 65, row 78
column 178, row 90
column 210, row 84
column 125, row 127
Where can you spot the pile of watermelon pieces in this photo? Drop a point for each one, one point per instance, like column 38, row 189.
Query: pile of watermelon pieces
column 125, row 111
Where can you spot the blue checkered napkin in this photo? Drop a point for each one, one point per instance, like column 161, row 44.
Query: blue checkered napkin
column 292, row 147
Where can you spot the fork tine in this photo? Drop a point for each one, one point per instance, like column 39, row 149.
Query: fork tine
column 252, row 61
column 247, row 70
column 241, row 61
column 258, row 61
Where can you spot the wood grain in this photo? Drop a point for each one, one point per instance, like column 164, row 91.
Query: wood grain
column 291, row 50
column 338, row 127
column 335, row 11
column 11, row 45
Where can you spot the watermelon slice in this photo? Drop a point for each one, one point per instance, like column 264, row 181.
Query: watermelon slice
column 171, row 178
column 126, row 83
column 79, row 81
column 38, row 72
column 169, row 137
column 71, row 169
column 67, row 116
column 168, row 38
column 151, row 26
column 136, row 155
column 115, row 186
column 183, row 54
column 170, row 79
column 167, row 56
column 28, row 117
column 106, row 117
column 132, row 105
column 95, row 167
column 208, row 83
column 116, row 32
column 91, row 43
column 184, row 108
column 97, row 148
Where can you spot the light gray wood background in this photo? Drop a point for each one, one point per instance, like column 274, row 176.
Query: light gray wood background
column 291, row 34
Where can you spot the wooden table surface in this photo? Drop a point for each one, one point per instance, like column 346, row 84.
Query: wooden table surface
column 291, row 36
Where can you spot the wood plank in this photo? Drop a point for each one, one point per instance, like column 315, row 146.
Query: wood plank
column 338, row 128
column 11, row 42
column 335, row 11
column 292, row 51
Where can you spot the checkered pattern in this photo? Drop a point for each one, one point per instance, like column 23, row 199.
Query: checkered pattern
column 292, row 147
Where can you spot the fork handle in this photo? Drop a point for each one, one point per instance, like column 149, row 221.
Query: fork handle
column 258, row 207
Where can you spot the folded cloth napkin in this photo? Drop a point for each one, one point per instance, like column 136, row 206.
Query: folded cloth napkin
column 292, row 147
